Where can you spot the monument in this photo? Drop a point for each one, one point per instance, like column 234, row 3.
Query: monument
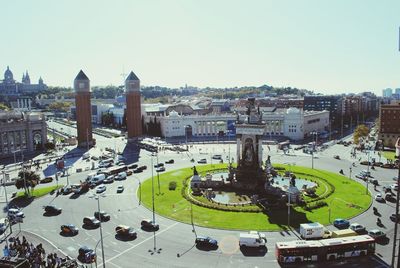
column 249, row 173
column 133, row 107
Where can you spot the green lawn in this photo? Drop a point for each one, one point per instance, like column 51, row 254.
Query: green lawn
column 389, row 155
column 348, row 200
column 38, row 192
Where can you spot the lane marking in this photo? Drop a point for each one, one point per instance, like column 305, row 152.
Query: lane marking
column 138, row 244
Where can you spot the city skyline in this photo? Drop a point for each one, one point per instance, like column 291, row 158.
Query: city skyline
column 315, row 45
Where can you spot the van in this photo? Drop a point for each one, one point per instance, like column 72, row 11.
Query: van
column 98, row 179
column 121, row 176
column 252, row 239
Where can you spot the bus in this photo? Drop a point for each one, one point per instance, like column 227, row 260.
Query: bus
column 115, row 170
column 324, row 250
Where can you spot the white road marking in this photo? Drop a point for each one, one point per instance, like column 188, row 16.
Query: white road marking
column 138, row 244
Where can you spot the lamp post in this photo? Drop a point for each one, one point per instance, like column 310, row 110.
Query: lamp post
column 367, row 179
column 97, row 197
column 350, row 169
column 158, row 175
column 140, row 190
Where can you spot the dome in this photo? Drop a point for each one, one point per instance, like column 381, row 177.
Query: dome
column 292, row 110
column 173, row 113
column 8, row 75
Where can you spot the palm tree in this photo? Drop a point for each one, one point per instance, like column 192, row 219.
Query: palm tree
column 27, row 180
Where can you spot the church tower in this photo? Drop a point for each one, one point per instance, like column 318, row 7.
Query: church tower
column 83, row 110
column 133, row 106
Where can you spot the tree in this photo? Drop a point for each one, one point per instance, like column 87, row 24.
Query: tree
column 49, row 146
column 3, row 107
column 60, row 106
column 361, row 131
column 27, row 180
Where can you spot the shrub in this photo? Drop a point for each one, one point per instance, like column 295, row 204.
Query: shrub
column 172, row 185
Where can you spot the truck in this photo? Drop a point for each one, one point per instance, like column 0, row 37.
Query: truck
column 252, row 239
column 314, row 230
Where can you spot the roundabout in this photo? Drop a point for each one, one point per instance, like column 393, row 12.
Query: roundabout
column 335, row 196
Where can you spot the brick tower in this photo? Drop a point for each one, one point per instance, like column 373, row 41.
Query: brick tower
column 133, row 108
column 83, row 110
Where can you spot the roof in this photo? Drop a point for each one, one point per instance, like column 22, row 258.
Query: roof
column 81, row 76
column 132, row 77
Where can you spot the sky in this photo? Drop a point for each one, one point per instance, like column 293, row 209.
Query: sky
column 326, row 46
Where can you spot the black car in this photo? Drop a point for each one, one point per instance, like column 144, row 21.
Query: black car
column 206, row 242
column 159, row 165
column 102, row 216
column 86, row 255
column 125, row 231
column 50, row 209
column 69, row 229
column 91, row 222
column 133, row 166
column 395, row 217
column 138, row 170
column 149, row 225
column 171, row 161
column 143, row 167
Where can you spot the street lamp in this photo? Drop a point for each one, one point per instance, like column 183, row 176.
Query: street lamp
column 97, row 197
column 140, row 190
column 314, row 147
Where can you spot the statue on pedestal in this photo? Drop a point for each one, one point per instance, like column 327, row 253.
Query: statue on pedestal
column 195, row 173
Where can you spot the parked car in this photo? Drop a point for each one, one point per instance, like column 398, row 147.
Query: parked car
column 206, row 242
column 390, row 197
column 66, row 190
column 171, row 161
column 128, row 172
column 202, row 161
column 109, row 179
column 374, row 181
column 160, row 169
column 133, row 166
column 120, row 188
column 102, row 216
column 51, row 209
column 143, row 167
column 138, row 170
column 125, row 231
column 69, row 229
column 91, row 222
column 358, row 228
column 394, row 187
column 86, row 255
column 121, row 176
column 95, row 158
column 379, row 197
column 395, row 218
column 46, row 180
column 377, row 234
column 15, row 212
column 149, row 225
column 159, row 165
column 341, row 223
column 217, row 157
column 101, row 188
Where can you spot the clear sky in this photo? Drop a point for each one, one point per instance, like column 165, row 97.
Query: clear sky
column 322, row 45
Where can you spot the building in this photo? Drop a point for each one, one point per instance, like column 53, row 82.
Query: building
column 133, row 107
column 389, row 124
column 323, row 103
column 387, row 93
column 83, row 110
column 25, row 132
column 10, row 87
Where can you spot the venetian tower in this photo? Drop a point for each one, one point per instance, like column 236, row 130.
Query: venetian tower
column 83, row 110
column 133, row 107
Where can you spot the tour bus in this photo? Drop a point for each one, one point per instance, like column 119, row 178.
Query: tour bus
column 324, row 250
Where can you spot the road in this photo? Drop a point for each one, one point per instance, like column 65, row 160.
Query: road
column 175, row 238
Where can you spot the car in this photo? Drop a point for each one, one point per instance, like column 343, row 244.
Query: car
column 159, row 165
column 361, row 176
column 120, row 188
column 69, row 229
column 160, row 169
column 120, row 163
column 149, row 225
column 217, row 157
column 376, row 234
column 379, row 198
column 125, row 231
column 91, row 222
column 101, row 171
column 46, row 180
column 205, row 241
column 121, row 176
column 128, row 172
column 171, row 161
column 374, row 182
column 95, row 158
column 394, row 187
column 390, row 197
column 395, row 178
column 341, row 223
column 133, row 166
column 15, row 213
column 109, row 179
column 51, row 209
column 138, row 170
column 102, row 216
column 66, row 190
column 358, row 228
column 395, row 218
column 101, row 188
column 143, row 167
column 86, row 255
column 202, row 161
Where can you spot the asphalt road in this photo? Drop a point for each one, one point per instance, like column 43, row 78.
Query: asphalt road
column 161, row 249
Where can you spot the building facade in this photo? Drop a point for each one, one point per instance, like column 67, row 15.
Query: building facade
column 389, row 124
column 133, row 106
column 25, row 132
column 10, row 87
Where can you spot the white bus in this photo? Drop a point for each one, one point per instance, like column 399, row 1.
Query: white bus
column 324, row 250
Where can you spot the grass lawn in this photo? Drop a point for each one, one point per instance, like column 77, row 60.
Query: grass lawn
column 38, row 192
column 389, row 155
column 348, row 200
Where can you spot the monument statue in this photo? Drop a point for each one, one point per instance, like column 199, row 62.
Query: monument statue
column 248, row 152
column 293, row 180
column 195, row 173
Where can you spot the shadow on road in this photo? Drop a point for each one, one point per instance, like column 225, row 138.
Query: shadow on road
column 254, row 252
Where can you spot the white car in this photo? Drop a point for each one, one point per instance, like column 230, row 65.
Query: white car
column 15, row 212
column 379, row 198
column 394, row 187
column 101, row 188
column 120, row 189
column 202, row 161
column 358, row 228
